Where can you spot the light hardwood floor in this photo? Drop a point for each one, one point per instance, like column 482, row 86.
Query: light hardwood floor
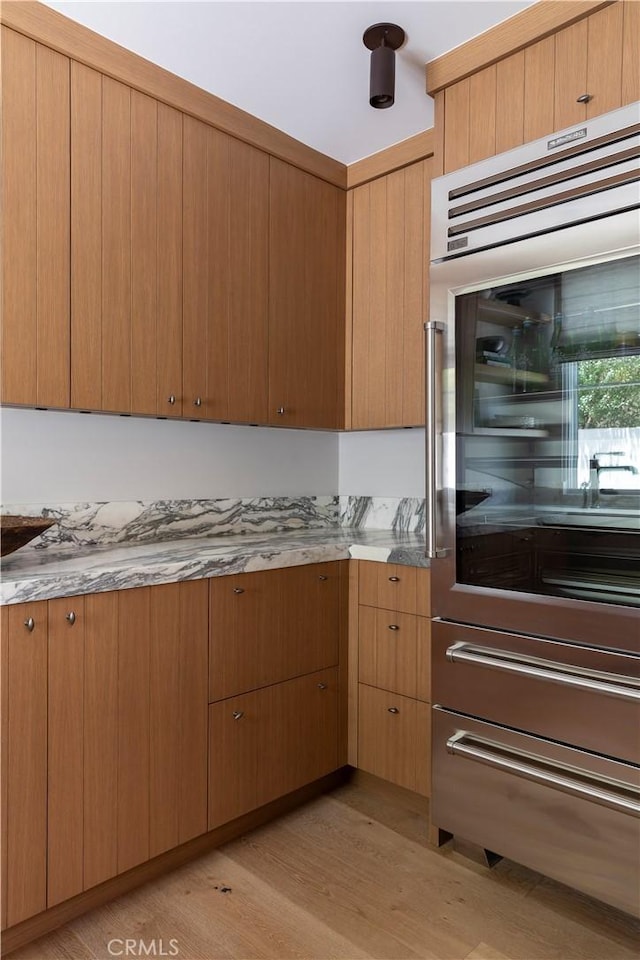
column 349, row 875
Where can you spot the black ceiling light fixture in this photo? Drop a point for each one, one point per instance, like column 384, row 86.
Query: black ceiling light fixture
column 383, row 39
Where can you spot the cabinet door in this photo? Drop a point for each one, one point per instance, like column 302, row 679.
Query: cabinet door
column 25, row 764
column 387, row 736
column 178, row 714
column 234, row 737
column 65, row 808
column 36, row 247
column 390, row 295
column 306, row 299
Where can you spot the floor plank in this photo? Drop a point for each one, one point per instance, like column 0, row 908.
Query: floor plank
column 349, row 876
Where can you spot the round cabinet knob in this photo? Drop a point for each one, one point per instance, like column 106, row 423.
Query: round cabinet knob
column 238, row 714
column 322, row 686
column 393, row 626
column 238, row 589
column 393, row 710
column 394, row 579
column 171, row 399
column 584, row 98
column 30, row 624
column 197, row 402
column 322, row 577
column 71, row 618
column 280, row 411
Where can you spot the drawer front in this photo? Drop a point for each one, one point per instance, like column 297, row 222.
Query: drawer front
column 571, row 815
column 394, row 738
column 388, row 650
column 390, row 586
column 579, row 695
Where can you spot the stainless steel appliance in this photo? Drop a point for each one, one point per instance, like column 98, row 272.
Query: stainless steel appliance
column 533, row 505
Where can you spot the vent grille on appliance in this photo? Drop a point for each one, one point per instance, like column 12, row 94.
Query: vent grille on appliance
column 536, row 189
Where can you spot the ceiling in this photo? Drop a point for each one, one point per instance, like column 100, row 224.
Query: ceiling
column 300, row 65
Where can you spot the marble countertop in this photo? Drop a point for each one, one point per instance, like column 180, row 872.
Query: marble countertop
column 31, row 574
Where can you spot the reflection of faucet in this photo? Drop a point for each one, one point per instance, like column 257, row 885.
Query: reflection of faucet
column 596, row 468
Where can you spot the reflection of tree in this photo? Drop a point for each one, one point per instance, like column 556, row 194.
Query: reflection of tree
column 609, row 393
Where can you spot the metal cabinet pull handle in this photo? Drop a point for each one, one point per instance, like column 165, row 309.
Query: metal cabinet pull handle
column 393, row 710
column 584, row 98
column 280, row 411
column 394, row 579
column 600, row 681
column 433, row 357
column 393, row 626
column 238, row 714
column 545, row 772
column 197, row 402
column 30, row 624
column 171, row 399
column 322, row 686
column 238, row 589
column 322, row 577
column 71, row 618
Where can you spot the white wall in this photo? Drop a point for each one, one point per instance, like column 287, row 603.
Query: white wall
column 58, row 457
column 382, row 463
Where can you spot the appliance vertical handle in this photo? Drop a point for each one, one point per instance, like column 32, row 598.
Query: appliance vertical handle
column 433, row 341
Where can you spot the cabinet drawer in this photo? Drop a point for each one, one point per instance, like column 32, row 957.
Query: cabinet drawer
column 394, row 586
column 394, row 738
column 394, row 652
column 272, row 625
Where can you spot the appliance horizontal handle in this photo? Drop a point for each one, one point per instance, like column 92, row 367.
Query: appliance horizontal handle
column 598, row 681
column 539, row 769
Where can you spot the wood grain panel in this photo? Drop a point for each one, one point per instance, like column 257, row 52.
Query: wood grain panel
column 570, row 75
column 306, row 284
column 630, row 53
column 27, row 763
column 388, row 650
column 393, row 323
column 53, row 227
column 348, row 318
column 387, row 741
column 530, row 25
column 164, row 718
column 116, row 246
column 423, row 749
column 169, row 260
column 482, row 114
column 308, row 639
column 233, row 755
column 133, row 727
column 195, row 289
column 456, row 131
column 399, row 155
column 4, row 746
column 510, row 102
column 352, row 662
column 539, row 72
column 100, row 738
column 423, row 591
column 604, row 60
column 65, row 848
column 417, row 226
column 389, row 586
column 144, row 250
column 374, row 411
column 248, row 314
column 216, row 406
column 423, row 669
column 86, row 238
column 19, row 247
column 61, row 34
column 361, row 322
column 194, row 710
column 344, row 691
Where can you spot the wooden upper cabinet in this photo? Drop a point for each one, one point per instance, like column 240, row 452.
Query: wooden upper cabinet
column 126, row 238
column 306, row 299
column 391, row 222
column 536, row 91
column 35, row 200
column 225, row 244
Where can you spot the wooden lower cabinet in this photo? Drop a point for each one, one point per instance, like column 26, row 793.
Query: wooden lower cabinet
column 394, row 738
column 267, row 743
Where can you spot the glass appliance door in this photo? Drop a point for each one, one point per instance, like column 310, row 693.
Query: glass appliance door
column 547, row 435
